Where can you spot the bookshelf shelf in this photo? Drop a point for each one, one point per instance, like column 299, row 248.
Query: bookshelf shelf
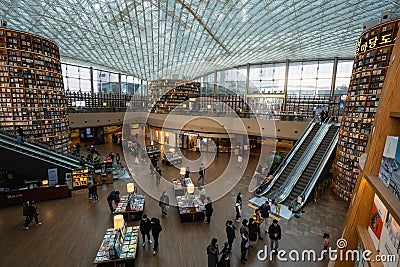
column 31, row 88
column 371, row 63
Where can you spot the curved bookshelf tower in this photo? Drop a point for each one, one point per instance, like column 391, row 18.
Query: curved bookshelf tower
column 32, row 90
column 371, row 64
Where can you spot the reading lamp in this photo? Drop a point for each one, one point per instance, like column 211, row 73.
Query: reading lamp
column 130, row 187
column 182, row 171
column 190, row 190
column 118, row 221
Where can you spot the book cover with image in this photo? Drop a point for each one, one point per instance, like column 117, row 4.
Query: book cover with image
column 389, row 171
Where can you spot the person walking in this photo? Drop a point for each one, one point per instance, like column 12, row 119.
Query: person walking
column 212, row 252
column 209, row 210
column 32, row 213
column 112, row 197
column 275, row 233
column 95, row 197
column 145, row 227
column 164, row 203
column 118, row 158
column 158, row 176
column 230, row 234
column 265, row 210
column 257, row 220
column 155, row 232
column 202, row 173
column 244, row 245
column 238, row 206
column 326, row 241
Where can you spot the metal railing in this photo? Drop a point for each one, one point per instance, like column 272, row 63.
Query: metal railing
column 294, row 205
column 284, row 190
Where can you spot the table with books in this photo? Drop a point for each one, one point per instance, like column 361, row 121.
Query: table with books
column 178, row 188
column 190, row 208
column 131, row 207
column 118, row 247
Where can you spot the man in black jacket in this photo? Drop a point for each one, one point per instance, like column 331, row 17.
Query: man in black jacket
column 274, row 232
column 265, row 210
column 155, row 231
column 209, row 210
column 145, row 227
column 230, row 234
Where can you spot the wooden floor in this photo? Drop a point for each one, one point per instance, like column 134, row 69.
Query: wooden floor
column 73, row 228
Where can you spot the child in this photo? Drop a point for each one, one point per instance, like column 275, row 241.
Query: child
column 326, row 241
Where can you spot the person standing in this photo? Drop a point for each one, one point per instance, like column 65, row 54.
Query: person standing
column 187, row 173
column 230, row 234
column 209, row 210
column 32, row 213
column 265, row 210
column 164, row 203
column 158, row 175
column 252, row 232
column 238, row 207
column 145, row 227
column 20, row 135
column 258, row 219
column 202, row 173
column 212, row 252
column 244, row 245
column 118, row 158
column 90, row 189
column 275, row 233
column 112, row 197
column 155, row 232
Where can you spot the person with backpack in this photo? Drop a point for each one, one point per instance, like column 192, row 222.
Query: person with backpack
column 155, row 232
column 212, row 252
column 31, row 213
column 145, row 227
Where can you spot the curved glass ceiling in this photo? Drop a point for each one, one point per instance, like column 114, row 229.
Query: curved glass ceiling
column 189, row 38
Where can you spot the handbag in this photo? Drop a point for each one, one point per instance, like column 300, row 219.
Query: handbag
column 247, row 245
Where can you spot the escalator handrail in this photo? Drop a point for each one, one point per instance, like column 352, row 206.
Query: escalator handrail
column 284, row 190
column 287, row 159
column 38, row 157
column 34, row 152
column 41, row 147
column 314, row 177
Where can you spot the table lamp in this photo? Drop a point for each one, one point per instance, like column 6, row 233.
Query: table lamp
column 118, row 221
column 182, row 171
column 190, row 188
column 130, row 187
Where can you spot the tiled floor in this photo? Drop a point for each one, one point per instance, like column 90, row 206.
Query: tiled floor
column 73, row 228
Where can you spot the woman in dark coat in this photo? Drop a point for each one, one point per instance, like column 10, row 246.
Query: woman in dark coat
column 252, row 231
column 209, row 210
column 212, row 252
column 244, row 245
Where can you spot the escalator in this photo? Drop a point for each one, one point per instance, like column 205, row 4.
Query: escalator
column 33, row 160
column 319, row 162
column 284, row 170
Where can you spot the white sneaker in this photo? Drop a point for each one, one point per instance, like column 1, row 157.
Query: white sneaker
column 150, row 242
column 154, row 252
column 144, row 244
column 39, row 223
column 26, row 228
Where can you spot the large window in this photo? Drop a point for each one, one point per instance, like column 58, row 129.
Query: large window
column 343, row 75
column 207, row 85
column 310, row 78
column 267, row 78
column 232, row 81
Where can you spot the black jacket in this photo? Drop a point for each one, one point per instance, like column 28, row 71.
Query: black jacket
column 230, row 232
column 145, row 226
column 272, row 230
column 156, row 228
column 209, row 209
column 265, row 211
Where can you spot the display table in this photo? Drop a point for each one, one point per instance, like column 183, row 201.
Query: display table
column 131, row 207
column 17, row 197
column 191, row 209
column 118, row 247
column 178, row 188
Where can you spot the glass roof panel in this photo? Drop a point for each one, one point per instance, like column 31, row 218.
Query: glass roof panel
column 190, row 38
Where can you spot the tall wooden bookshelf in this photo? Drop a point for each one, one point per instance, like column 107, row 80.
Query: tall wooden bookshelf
column 32, row 91
column 371, row 64
column 170, row 98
